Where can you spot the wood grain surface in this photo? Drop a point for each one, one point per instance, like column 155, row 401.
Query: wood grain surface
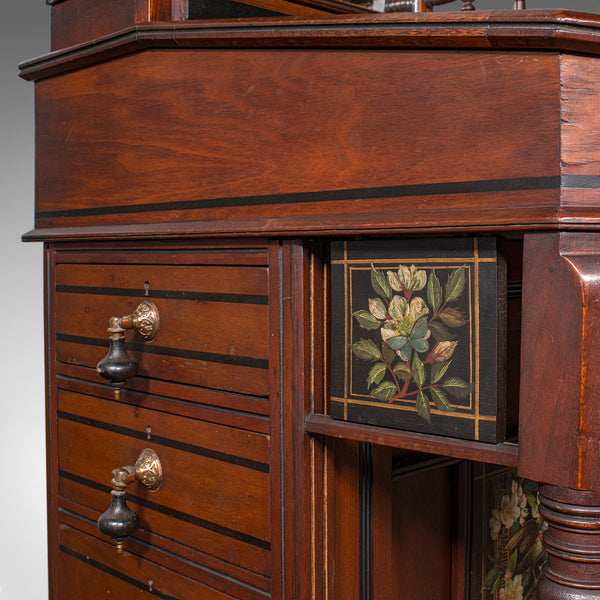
column 559, row 429
column 240, row 134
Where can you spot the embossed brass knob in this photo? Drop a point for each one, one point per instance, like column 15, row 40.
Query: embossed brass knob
column 117, row 366
column 119, row 521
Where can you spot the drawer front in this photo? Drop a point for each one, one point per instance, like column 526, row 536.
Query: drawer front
column 214, row 321
column 91, row 569
column 201, row 401
column 215, row 494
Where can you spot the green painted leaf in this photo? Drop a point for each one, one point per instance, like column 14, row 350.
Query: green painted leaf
column 402, row 371
column 490, row 578
column 376, row 374
column 366, row 350
column 440, row 333
column 419, row 329
column 434, row 292
column 438, row 370
column 457, row 387
column 495, row 586
column 452, row 317
column 366, row 319
column 512, row 561
column 532, row 501
column 389, row 354
column 456, row 284
column 380, row 283
column 418, row 371
column 397, row 342
column 440, row 399
column 385, row 391
column 423, row 407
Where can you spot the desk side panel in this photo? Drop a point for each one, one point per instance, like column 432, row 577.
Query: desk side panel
column 580, row 139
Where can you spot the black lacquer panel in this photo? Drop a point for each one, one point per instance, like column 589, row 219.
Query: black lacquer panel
column 417, row 335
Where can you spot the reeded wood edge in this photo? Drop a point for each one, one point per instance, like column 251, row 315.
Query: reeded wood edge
column 560, row 30
column 499, row 454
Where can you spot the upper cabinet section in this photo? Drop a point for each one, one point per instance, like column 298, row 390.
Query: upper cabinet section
column 78, row 21
column 338, row 124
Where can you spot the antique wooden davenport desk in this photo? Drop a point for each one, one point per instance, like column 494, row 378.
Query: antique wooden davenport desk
column 200, row 186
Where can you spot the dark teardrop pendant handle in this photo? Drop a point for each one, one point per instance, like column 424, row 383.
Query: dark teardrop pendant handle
column 117, row 366
column 119, row 521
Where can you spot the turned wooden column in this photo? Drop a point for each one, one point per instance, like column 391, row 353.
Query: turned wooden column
column 559, row 437
column 572, row 541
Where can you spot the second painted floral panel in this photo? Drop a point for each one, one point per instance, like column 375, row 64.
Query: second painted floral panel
column 415, row 335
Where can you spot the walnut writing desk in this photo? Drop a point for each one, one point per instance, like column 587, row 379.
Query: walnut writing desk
column 207, row 167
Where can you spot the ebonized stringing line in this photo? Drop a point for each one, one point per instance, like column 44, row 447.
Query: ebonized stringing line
column 165, row 294
column 396, row 191
column 236, row 361
column 141, row 585
column 169, row 443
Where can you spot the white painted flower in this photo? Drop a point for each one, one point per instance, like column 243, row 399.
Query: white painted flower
column 513, row 507
column 509, row 511
column 407, row 278
column 407, row 329
column 520, row 500
column 377, row 308
column 513, row 588
column 495, row 524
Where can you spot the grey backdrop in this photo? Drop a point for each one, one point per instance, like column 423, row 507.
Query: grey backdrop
column 24, row 33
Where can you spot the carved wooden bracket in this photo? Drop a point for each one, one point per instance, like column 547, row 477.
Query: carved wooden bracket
column 559, row 438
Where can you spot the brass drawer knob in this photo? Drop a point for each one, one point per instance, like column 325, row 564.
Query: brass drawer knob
column 119, row 521
column 117, row 366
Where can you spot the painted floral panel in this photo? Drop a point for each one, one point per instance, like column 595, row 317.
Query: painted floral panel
column 507, row 553
column 415, row 335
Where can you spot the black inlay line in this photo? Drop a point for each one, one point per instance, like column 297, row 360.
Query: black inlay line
column 114, row 573
column 205, row 405
column 589, row 182
column 192, row 251
column 169, row 443
column 226, row 359
column 396, row 191
column 166, row 294
column 176, row 514
column 366, row 520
